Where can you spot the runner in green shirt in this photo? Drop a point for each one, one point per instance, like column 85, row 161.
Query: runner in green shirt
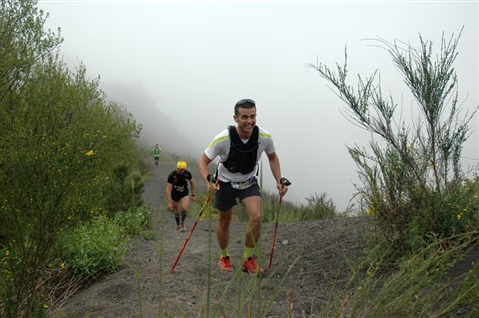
column 156, row 153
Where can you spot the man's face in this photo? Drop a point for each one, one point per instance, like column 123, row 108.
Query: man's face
column 246, row 119
column 180, row 171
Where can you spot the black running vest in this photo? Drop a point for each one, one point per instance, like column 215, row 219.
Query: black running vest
column 242, row 157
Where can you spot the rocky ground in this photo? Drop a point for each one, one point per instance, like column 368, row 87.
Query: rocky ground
column 309, row 266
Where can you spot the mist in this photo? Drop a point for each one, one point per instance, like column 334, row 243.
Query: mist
column 157, row 126
column 180, row 68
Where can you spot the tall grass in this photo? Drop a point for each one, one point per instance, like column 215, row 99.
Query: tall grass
column 319, row 207
column 424, row 285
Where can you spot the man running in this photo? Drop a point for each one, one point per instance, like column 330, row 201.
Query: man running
column 177, row 191
column 239, row 149
column 156, row 154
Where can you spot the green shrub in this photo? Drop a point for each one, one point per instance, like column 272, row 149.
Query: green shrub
column 124, row 190
column 149, row 235
column 414, row 190
column 320, row 208
column 95, row 247
column 134, row 220
column 59, row 140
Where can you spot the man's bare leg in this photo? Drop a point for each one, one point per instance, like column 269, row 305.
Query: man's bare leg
column 253, row 207
column 223, row 228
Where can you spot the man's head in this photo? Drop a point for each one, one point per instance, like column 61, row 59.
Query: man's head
column 244, row 103
column 181, row 167
column 245, row 117
column 156, row 145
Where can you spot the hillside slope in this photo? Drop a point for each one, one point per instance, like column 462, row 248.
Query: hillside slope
column 313, row 252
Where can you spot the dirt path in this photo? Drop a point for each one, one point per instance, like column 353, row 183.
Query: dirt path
column 317, row 249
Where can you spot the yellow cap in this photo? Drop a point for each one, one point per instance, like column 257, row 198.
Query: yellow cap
column 181, row 165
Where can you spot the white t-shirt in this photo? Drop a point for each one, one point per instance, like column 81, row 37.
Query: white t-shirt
column 220, row 147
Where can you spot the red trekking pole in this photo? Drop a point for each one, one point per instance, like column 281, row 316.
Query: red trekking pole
column 210, row 178
column 286, row 182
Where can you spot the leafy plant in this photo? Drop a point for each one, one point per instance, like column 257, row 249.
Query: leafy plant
column 124, row 190
column 409, row 187
column 149, row 235
column 134, row 220
column 59, row 141
column 95, row 247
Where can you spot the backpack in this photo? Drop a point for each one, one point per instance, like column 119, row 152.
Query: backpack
column 242, row 157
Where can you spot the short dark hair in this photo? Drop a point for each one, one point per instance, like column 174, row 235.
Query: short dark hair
column 244, row 103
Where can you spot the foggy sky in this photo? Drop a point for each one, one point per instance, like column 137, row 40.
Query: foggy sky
column 189, row 62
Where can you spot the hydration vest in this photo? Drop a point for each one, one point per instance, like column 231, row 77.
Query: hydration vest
column 242, row 157
column 179, row 181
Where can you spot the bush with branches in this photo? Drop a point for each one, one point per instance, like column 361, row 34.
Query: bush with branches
column 59, row 142
column 414, row 190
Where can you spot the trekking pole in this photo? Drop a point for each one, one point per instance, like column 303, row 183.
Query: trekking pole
column 210, row 178
column 286, row 182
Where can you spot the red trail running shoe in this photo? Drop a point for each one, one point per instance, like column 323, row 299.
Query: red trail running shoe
column 251, row 266
column 225, row 263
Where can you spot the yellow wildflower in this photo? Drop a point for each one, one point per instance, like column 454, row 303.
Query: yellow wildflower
column 89, row 153
column 62, row 265
column 458, row 216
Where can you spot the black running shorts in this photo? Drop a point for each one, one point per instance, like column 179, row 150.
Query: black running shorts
column 176, row 196
column 225, row 197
